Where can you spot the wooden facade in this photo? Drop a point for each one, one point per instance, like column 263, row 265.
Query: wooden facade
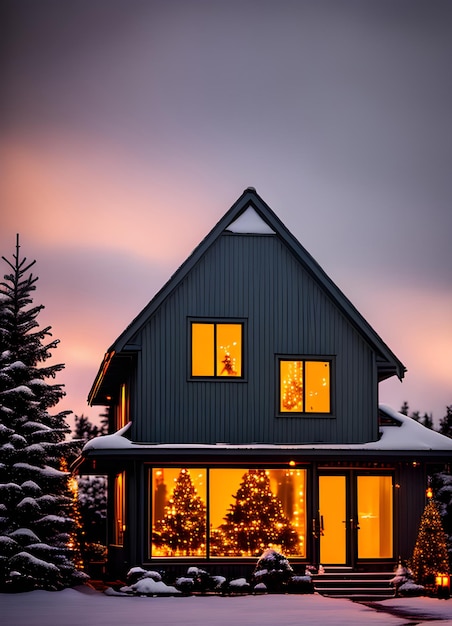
column 251, row 277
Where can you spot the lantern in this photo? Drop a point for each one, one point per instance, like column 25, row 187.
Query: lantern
column 442, row 585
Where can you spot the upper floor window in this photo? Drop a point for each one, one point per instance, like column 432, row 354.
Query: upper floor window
column 304, row 386
column 122, row 407
column 216, row 349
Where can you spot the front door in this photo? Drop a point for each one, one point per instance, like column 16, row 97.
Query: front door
column 355, row 517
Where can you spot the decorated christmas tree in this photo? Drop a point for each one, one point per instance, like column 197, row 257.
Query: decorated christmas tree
column 38, row 542
column 255, row 521
column 430, row 551
column 182, row 531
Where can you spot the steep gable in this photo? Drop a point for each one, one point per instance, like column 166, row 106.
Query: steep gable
column 249, row 215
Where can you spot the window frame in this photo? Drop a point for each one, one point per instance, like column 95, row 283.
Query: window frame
column 207, row 468
column 215, row 321
column 304, row 359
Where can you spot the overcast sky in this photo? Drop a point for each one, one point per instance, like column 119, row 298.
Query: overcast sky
column 128, row 128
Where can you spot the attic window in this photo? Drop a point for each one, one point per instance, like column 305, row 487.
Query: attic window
column 216, row 349
column 304, row 386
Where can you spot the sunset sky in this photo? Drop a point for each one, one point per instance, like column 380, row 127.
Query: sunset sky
column 129, row 127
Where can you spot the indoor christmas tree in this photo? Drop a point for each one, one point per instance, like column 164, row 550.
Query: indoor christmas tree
column 430, row 551
column 255, row 521
column 182, row 531
column 36, row 505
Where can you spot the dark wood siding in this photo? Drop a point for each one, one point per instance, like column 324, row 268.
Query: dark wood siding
column 257, row 279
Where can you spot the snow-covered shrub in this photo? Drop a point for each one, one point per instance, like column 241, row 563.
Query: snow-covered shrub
column 142, row 582
column 198, row 580
column 404, row 584
column 275, row 572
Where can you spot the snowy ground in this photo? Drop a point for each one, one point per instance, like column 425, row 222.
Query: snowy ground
column 73, row 607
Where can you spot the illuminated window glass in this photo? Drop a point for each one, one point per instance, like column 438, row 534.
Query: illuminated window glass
column 178, row 512
column 251, row 510
column 304, row 386
column 122, row 408
column 216, row 349
column 120, row 509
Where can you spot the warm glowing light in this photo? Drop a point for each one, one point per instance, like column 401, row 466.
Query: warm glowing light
column 429, row 492
column 216, row 349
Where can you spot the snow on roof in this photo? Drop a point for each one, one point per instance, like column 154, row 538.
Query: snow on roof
column 405, row 434
column 250, row 222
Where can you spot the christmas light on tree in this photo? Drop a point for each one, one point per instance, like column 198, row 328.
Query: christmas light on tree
column 255, row 521
column 292, row 387
column 430, row 555
column 182, row 531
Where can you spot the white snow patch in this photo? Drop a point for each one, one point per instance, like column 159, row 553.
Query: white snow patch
column 409, row 435
column 72, row 608
column 249, row 222
column 149, row 586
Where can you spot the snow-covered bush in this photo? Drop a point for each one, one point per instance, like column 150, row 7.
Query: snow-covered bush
column 404, row 584
column 275, row 572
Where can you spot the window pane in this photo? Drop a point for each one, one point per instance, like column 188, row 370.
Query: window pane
column 251, row 510
column 291, row 385
column 317, row 387
column 202, row 350
column 178, row 512
column 120, row 509
column 375, row 517
column 229, row 349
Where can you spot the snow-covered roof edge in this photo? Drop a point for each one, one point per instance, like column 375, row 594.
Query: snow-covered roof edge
column 409, row 435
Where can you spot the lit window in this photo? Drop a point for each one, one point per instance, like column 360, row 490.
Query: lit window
column 120, row 509
column 304, row 386
column 178, row 512
column 226, row 512
column 216, row 349
column 122, row 408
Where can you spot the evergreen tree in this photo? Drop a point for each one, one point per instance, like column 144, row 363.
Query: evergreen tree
column 92, row 496
column 445, row 424
column 256, row 520
column 36, row 505
column 404, row 408
column 430, row 551
column 182, row 531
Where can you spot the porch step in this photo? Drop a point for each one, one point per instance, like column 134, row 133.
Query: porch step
column 354, row 585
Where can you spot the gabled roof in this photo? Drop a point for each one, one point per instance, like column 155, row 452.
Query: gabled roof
column 249, row 214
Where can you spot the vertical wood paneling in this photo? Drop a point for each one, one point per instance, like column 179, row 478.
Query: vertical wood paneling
column 257, row 279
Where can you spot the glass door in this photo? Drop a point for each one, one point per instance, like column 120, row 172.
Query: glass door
column 333, row 519
column 375, row 516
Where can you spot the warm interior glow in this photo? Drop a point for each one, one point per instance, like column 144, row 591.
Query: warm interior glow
column 333, row 515
column 122, row 414
column 216, row 349
column 203, row 363
column 317, row 376
column 229, row 349
column 291, row 377
column 375, row 517
column 305, row 386
column 120, row 509
column 178, row 512
column 173, row 515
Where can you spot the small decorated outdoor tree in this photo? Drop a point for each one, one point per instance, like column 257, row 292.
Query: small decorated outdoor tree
column 430, row 555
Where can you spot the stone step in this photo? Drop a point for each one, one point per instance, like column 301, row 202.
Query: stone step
column 362, row 585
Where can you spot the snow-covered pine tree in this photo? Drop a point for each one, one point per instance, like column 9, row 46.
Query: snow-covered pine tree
column 36, row 546
column 92, row 494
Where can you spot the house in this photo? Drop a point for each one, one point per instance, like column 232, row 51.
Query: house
column 244, row 414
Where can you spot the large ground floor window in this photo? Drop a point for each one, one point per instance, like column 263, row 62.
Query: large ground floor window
column 226, row 512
